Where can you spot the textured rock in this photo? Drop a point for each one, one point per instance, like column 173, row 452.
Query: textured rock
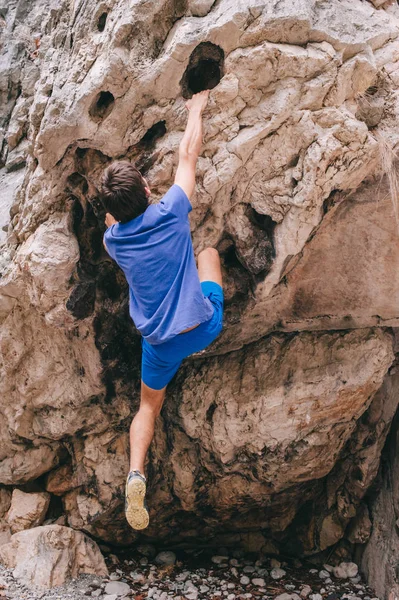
column 379, row 558
column 287, row 414
column 27, row 510
column 48, row 556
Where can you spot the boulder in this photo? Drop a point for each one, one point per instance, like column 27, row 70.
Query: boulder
column 27, row 510
column 50, row 555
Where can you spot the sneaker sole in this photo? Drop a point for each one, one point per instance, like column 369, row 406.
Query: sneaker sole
column 136, row 513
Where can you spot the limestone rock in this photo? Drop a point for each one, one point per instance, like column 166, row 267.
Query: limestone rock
column 292, row 404
column 5, row 501
column 27, row 510
column 345, row 570
column 48, row 556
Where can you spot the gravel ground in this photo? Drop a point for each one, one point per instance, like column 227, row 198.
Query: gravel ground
column 197, row 576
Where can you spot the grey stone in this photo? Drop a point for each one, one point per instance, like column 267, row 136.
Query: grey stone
column 118, row 588
column 277, row 573
column 165, row 558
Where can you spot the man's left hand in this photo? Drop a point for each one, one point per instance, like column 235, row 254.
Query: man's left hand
column 109, row 220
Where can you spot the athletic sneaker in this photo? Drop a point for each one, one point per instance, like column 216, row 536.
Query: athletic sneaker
column 135, row 505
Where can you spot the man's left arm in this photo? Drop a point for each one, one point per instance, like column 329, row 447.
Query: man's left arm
column 109, row 220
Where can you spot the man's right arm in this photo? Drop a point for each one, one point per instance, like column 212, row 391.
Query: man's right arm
column 190, row 145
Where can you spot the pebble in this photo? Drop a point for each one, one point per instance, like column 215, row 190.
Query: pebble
column 165, row 558
column 218, row 560
column 110, row 597
column 324, row 574
column 96, row 593
column 315, row 597
column 249, row 569
column 275, row 564
column 284, row 596
column 345, row 570
column 305, row 591
column 277, row 573
column 329, row 568
column 258, row 582
column 114, row 577
column 137, row 577
column 244, row 580
column 117, row 588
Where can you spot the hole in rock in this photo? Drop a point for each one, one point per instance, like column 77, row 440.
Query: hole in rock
column 102, row 106
column 204, row 70
column 152, row 135
column 264, row 222
column 81, row 300
column 76, row 180
column 56, row 507
column 102, row 19
column 142, row 153
column 210, row 412
column 357, row 474
column 294, row 161
column 236, row 277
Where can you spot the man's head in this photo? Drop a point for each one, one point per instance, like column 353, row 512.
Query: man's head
column 124, row 191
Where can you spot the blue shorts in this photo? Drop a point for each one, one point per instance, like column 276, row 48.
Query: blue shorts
column 160, row 362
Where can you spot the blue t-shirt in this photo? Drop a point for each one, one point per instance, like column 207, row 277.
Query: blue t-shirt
column 155, row 252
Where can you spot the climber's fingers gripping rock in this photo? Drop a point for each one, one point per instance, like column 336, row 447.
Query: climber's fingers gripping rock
column 198, row 101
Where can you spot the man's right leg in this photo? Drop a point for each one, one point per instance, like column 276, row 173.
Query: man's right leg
column 209, row 268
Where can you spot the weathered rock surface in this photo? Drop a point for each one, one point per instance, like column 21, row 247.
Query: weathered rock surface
column 27, row 510
column 48, row 556
column 272, row 438
column 379, row 560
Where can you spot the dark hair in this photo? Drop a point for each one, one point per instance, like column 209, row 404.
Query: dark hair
column 122, row 191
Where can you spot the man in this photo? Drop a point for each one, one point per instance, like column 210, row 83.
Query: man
column 177, row 308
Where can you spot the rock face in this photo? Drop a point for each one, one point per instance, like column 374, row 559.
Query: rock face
column 50, row 555
column 27, row 510
column 273, row 436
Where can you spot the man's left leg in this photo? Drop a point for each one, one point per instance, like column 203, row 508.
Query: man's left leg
column 141, row 434
column 143, row 425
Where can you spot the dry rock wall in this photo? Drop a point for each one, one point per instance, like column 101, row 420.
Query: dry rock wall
column 272, row 438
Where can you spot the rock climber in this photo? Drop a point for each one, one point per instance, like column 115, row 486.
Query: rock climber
column 177, row 308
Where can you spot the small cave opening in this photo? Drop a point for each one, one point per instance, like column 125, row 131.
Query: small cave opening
column 101, row 106
column 264, row 222
column 77, row 181
column 102, row 19
column 204, row 69
column 237, row 280
column 155, row 132
column 142, row 153
column 210, row 412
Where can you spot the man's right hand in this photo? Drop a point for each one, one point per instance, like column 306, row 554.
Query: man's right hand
column 198, row 101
